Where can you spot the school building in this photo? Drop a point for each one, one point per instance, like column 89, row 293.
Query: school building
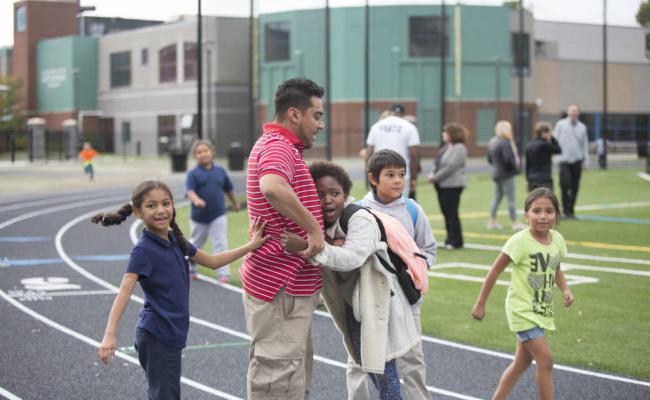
column 561, row 65
column 132, row 83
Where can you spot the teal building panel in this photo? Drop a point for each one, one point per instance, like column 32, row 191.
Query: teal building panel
column 58, row 61
column 394, row 74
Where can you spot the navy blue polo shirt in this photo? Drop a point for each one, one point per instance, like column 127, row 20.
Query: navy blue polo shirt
column 210, row 185
column 164, row 276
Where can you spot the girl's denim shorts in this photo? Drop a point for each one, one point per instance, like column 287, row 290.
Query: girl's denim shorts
column 529, row 334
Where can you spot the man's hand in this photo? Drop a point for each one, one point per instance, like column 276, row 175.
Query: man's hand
column 315, row 243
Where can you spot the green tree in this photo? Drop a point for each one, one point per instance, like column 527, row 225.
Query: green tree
column 9, row 118
column 643, row 18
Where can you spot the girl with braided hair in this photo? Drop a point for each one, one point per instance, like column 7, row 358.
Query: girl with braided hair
column 535, row 254
column 159, row 261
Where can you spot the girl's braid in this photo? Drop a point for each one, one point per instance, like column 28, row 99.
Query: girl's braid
column 108, row 219
column 182, row 242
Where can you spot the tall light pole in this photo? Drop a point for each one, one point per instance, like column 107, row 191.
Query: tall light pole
column 251, row 77
column 443, row 64
column 328, row 87
column 199, row 73
column 520, row 74
column 604, row 130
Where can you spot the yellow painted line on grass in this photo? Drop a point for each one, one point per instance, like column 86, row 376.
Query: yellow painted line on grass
column 577, row 243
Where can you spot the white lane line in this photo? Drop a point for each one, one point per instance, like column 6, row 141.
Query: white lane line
column 95, row 343
column 21, row 293
column 134, row 238
column 489, row 247
column 463, row 346
column 572, row 280
column 41, row 202
column 8, row 395
column 55, row 209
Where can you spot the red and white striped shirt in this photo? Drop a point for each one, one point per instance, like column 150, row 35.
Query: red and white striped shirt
column 269, row 268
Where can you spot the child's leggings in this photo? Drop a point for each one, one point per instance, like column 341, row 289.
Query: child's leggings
column 388, row 384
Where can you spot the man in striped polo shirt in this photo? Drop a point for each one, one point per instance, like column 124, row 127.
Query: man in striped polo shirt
column 280, row 288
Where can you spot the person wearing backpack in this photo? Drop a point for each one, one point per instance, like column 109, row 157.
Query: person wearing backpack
column 365, row 299
column 386, row 174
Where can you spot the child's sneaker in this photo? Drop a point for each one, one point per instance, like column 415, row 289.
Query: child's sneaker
column 493, row 226
column 519, row 226
column 224, row 279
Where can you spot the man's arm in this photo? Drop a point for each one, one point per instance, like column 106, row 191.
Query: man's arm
column 282, row 198
column 413, row 157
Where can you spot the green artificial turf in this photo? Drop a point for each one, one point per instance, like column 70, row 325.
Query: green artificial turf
column 607, row 328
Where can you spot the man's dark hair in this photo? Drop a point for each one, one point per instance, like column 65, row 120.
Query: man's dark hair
column 320, row 169
column 384, row 159
column 296, row 93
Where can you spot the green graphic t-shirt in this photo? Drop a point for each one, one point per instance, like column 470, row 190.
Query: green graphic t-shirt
column 530, row 296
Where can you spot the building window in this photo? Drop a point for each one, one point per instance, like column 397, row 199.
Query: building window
column 190, row 56
column 277, row 44
column 425, row 36
column 167, row 58
column 166, row 133
column 121, row 69
column 144, row 56
column 20, row 19
column 520, row 57
column 485, row 121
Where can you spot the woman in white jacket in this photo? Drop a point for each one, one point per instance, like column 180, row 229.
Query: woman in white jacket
column 365, row 300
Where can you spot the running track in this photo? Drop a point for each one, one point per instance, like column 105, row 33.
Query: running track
column 48, row 339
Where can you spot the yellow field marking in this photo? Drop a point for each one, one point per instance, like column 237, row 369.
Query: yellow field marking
column 577, row 243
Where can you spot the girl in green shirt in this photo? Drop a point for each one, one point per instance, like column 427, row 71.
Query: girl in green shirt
column 535, row 254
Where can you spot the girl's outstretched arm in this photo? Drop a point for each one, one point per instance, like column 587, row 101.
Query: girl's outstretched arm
column 108, row 345
column 560, row 281
column 218, row 260
column 502, row 261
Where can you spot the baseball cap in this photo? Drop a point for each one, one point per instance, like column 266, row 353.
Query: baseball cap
column 397, row 108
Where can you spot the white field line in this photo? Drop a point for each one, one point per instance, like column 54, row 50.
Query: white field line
column 95, row 343
column 610, row 206
column 572, row 280
column 645, row 176
column 489, row 247
column 8, row 395
column 448, row 343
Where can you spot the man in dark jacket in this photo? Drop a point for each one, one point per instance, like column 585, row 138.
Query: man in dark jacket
column 539, row 153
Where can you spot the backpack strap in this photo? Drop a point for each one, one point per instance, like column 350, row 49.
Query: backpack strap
column 412, row 208
column 352, row 208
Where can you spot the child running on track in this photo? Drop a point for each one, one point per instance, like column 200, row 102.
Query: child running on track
column 535, row 254
column 159, row 262
column 87, row 155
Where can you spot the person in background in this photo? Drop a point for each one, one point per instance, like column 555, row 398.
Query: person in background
column 601, row 151
column 87, row 156
column 571, row 134
column 502, row 155
column 397, row 134
column 205, row 186
column 448, row 178
column 539, row 157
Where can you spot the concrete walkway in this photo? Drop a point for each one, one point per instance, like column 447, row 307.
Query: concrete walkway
column 22, row 178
